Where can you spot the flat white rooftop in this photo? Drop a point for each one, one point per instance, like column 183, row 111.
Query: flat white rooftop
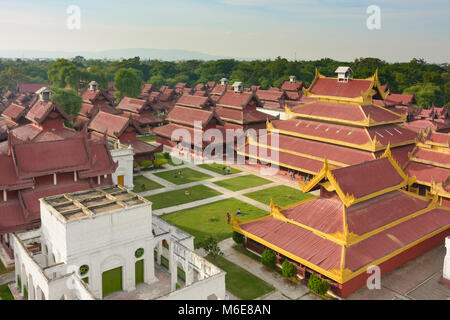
column 77, row 205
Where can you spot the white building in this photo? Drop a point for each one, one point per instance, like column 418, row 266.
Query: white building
column 446, row 270
column 124, row 156
column 102, row 243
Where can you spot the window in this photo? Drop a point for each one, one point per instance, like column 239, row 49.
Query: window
column 84, row 269
column 139, row 253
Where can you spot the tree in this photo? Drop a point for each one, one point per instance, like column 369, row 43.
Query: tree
column 238, row 238
column 317, row 285
column 268, row 258
column 211, row 246
column 96, row 73
column 68, row 100
column 288, row 269
column 146, row 163
column 127, row 83
column 10, row 77
column 158, row 163
column 426, row 94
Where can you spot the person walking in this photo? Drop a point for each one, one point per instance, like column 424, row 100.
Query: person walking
column 239, row 212
column 228, row 218
column 228, row 170
column 223, row 170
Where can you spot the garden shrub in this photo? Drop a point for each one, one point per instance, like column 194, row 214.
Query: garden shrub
column 318, row 285
column 288, row 269
column 238, row 238
column 160, row 162
column 166, row 155
column 146, row 163
column 135, row 165
column 269, row 259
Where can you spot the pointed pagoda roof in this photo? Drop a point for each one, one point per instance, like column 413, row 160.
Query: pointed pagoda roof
column 357, row 90
column 351, row 225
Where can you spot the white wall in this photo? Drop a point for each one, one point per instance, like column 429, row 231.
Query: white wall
column 446, row 271
column 124, row 157
column 201, row 290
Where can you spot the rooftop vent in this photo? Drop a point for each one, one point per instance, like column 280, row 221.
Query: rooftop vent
column 343, row 73
column 292, row 79
column 224, row 81
column 93, row 86
column 238, row 87
column 44, row 94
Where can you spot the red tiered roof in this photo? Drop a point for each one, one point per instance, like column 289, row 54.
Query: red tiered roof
column 331, row 87
column 292, row 86
column 41, row 109
column 187, row 116
column 113, row 125
column 347, row 112
column 14, row 112
column 314, row 233
column 194, row 101
column 132, row 105
column 31, row 87
column 368, row 177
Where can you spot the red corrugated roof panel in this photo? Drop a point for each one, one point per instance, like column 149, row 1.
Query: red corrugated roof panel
column 331, row 87
column 379, row 211
column 367, row 177
column 323, row 214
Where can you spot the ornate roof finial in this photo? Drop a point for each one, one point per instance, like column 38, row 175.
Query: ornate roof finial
column 387, row 152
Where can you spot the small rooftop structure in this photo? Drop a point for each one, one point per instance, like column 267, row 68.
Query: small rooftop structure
column 77, row 205
column 343, row 73
column 93, row 86
column 238, row 87
column 44, row 94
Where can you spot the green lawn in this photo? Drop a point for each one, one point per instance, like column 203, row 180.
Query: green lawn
column 217, row 168
column 142, row 184
column 5, row 293
column 281, row 195
column 149, row 138
column 243, row 182
column 240, row 282
column 174, row 198
column 211, row 219
column 189, row 176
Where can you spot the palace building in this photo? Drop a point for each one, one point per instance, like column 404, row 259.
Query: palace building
column 140, row 111
column 44, row 158
column 339, row 121
column 434, row 118
column 184, row 114
column 94, row 100
column 429, row 163
column 362, row 218
column 293, row 88
column 238, row 109
column 124, row 131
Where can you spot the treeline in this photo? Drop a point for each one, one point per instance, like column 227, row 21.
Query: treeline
column 430, row 82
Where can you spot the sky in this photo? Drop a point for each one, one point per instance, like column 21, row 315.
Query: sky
column 302, row 29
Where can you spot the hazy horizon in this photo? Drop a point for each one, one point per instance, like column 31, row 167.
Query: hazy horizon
column 240, row 29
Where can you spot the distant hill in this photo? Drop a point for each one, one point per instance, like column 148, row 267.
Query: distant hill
column 143, row 53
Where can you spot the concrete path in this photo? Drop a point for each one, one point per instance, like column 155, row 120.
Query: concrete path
column 226, row 194
column 284, row 289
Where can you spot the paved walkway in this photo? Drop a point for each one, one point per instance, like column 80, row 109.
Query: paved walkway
column 225, row 193
column 284, row 289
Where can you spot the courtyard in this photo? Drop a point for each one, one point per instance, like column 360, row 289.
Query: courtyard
column 213, row 195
